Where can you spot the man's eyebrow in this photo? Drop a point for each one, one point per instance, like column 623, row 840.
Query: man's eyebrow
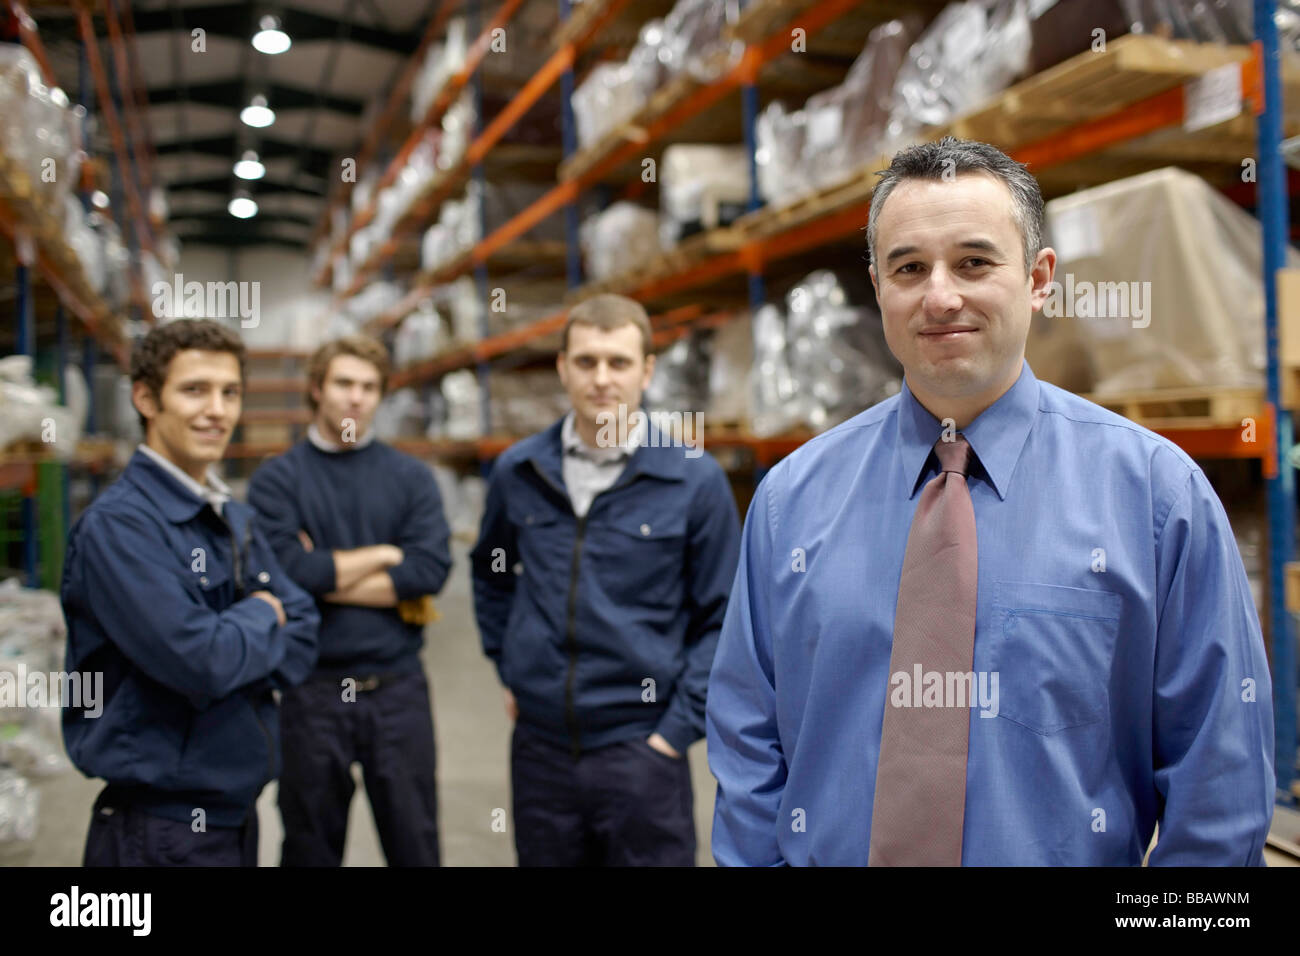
column 979, row 245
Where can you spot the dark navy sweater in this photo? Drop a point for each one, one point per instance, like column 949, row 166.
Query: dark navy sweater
column 351, row 499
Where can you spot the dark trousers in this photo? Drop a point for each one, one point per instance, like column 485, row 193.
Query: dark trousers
column 388, row 730
column 621, row 805
column 123, row 835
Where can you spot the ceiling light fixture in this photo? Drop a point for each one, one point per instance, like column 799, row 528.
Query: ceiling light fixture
column 257, row 113
column 269, row 38
column 249, row 166
column 242, row 205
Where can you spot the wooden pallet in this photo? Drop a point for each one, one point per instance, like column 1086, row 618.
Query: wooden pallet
column 622, row 28
column 1091, row 85
column 1165, row 409
column 855, row 188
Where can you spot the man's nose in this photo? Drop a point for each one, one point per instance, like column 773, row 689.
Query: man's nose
column 602, row 373
column 941, row 295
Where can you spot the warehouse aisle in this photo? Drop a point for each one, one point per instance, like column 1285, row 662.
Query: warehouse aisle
column 473, row 753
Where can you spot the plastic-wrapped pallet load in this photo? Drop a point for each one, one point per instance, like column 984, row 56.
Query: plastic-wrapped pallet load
column 31, row 691
column 681, row 379
column 618, row 239
column 691, row 39
column 731, row 356
column 701, row 187
column 971, row 51
column 1068, row 27
column 525, row 402
column 821, row 362
column 31, row 413
column 838, row 129
column 1161, row 274
column 41, row 132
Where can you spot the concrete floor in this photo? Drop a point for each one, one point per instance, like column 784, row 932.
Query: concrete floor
column 473, row 739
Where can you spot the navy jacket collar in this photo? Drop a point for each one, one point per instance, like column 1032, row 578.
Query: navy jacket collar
column 650, row 459
column 996, row 436
column 176, row 502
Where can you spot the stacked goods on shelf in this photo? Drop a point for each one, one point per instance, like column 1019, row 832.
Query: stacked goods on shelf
column 485, row 205
column 437, row 152
column 818, row 362
column 899, row 85
column 1068, row 27
column 441, row 61
column 32, row 637
column 41, row 134
column 691, row 40
column 804, row 150
column 524, row 402
column 618, row 239
column 730, row 360
column 1158, row 286
column 681, row 378
column 30, row 414
column 700, row 188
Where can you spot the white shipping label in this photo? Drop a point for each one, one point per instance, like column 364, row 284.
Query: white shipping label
column 1075, row 233
column 1212, row 98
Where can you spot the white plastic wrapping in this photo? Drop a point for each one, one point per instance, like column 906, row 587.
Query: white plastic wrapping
column 820, row 361
column 701, row 187
column 971, row 51
column 618, row 239
column 19, row 809
column 32, row 413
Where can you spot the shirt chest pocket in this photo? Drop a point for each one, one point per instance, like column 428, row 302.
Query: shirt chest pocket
column 1052, row 649
column 639, row 558
column 214, row 583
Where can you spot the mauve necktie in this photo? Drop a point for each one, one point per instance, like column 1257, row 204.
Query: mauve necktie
column 920, row 797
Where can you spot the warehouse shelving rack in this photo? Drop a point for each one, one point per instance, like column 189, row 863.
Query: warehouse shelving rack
column 41, row 481
column 1147, row 96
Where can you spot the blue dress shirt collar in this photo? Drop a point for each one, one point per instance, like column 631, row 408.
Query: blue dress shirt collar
column 996, row 436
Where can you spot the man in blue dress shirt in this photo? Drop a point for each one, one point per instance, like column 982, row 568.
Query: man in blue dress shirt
column 1118, row 677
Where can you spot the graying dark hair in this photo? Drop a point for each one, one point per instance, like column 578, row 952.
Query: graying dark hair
column 949, row 157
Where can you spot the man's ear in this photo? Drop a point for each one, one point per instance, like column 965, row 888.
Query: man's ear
column 649, row 371
column 144, row 400
column 1040, row 280
column 871, row 271
column 559, row 367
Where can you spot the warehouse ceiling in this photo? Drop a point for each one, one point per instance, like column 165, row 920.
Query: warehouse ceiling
column 345, row 56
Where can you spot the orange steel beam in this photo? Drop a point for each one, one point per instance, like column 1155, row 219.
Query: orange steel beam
column 1136, row 119
column 105, row 97
column 137, row 82
column 31, row 37
column 117, row 43
column 523, row 101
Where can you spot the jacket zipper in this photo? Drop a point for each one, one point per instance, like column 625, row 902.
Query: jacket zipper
column 571, row 628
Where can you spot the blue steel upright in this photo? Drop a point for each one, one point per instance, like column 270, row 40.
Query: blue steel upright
column 1273, row 216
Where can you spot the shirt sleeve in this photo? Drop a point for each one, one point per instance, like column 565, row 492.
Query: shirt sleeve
column 270, row 491
column 744, row 747
column 301, row 627
column 1213, row 720
column 492, row 564
column 154, row 612
column 424, row 540
column 710, row 568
